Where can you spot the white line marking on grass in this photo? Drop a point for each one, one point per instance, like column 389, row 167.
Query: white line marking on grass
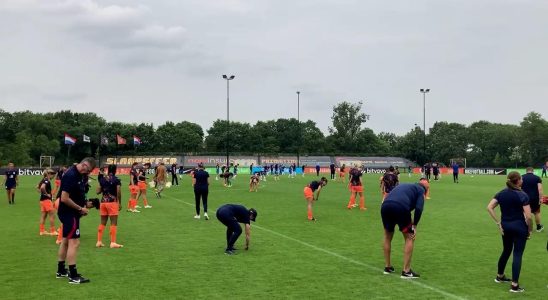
column 370, row 267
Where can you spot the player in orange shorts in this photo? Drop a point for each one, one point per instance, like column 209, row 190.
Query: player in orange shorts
column 254, row 182
column 110, row 187
column 142, row 184
column 46, row 206
column 356, row 187
column 342, row 173
column 132, row 203
column 58, row 177
column 314, row 186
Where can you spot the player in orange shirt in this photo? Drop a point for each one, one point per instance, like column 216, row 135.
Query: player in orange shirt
column 356, row 187
column 110, row 187
column 314, row 186
column 46, row 206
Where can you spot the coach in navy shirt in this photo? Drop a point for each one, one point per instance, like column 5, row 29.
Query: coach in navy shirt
column 396, row 209
column 200, row 182
column 532, row 186
column 515, row 225
column 72, row 206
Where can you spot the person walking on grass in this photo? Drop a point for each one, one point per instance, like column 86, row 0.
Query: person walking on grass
column 200, row 182
column 11, row 181
column 532, row 186
column 46, row 204
column 515, row 226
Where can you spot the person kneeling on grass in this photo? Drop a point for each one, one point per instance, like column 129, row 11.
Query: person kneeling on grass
column 232, row 214
column 396, row 209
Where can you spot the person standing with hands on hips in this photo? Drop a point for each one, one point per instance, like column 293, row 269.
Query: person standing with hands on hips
column 515, row 226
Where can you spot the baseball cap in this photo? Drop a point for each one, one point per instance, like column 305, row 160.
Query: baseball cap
column 254, row 212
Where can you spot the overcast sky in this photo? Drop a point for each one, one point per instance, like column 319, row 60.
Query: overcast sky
column 156, row 60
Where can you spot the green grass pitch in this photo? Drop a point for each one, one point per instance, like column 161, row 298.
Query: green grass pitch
column 170, row 255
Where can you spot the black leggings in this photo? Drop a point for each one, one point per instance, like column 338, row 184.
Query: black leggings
column 200, row 194
column 233, row 228
column 174, row 179
column 455, row 177
column 515, row 237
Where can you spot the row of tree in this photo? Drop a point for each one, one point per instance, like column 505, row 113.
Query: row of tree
column 25, row 136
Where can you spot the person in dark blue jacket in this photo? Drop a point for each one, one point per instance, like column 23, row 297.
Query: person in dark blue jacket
column 515, row 226
column 232, row 214
column 396, row 209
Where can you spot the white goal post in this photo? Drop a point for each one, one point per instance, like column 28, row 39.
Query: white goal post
column 46, row 161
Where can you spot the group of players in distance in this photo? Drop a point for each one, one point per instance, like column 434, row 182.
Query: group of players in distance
column 518, row 202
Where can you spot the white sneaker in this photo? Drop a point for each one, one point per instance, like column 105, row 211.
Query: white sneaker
column 206, row 216
column 148, row 206
column 196, row 216
column 137, row 206
column 135, row 211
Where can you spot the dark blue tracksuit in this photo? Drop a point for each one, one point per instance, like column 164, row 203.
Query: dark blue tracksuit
column 230, row 215
column 515, row 229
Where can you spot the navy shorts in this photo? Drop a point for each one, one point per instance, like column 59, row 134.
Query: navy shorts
column 71, row 226
column 393, row 214
column 535, row 206
column 10, row 186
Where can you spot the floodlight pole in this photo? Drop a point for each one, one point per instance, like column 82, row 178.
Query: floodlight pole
column 227, row 115
column 299, row 126
column 424, row 91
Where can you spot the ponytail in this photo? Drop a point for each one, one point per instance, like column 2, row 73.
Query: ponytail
column 512, row 181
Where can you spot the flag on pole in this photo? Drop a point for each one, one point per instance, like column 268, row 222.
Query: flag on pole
column 120, row 140
column 136, row 140
column 104, row 140
column 69, row 140
column 86, row 139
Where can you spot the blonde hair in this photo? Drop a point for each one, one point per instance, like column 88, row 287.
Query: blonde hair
column 47, row 172
column 512, row 181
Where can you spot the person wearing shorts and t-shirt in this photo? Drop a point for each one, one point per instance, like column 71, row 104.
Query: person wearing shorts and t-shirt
column 309, row 190
column 396, row 210
column 110, row 188
column 356, row 187
column 72, row 206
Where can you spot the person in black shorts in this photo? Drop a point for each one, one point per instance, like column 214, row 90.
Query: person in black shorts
column 72, row 207
column 11, row 181
column 200, row 182
column 332, row 171
column 396, row 209
column 232, row 214
column 515, row 226
column 532, row 186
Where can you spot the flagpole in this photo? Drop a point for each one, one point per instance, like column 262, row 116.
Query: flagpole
column 68, row 154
